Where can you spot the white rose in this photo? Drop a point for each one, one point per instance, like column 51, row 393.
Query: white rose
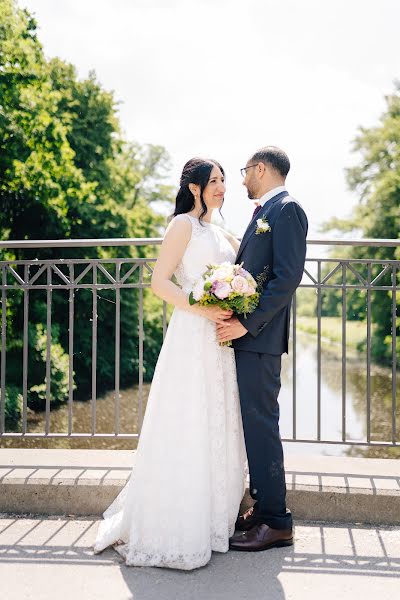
column 223, row 274
column 251, row 281
column 222, row 290
column 239, row 284
column 263, row 225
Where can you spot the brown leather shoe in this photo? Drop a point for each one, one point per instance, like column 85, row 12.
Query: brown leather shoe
column 247, row 520
column 261, row 537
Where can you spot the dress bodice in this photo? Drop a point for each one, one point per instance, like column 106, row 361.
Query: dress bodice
column 207, row 245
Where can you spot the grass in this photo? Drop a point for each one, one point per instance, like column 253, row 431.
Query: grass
column 331, row 329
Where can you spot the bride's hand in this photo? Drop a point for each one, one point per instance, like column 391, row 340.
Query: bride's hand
column 216, row 314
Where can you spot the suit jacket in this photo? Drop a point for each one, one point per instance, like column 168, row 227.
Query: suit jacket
column 280, row 255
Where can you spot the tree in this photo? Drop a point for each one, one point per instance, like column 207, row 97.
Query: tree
column 377, row 181
column 67, row 172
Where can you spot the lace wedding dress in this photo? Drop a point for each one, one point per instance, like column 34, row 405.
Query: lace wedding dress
column 184, row 493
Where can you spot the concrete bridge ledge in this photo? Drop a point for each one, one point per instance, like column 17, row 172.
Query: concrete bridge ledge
column 84, row 482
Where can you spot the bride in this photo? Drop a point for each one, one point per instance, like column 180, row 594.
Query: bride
column 183, row 496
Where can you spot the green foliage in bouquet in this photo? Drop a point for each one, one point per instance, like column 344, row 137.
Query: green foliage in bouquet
column 242, row 305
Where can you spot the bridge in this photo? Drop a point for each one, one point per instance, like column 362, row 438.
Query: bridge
column 346, row 508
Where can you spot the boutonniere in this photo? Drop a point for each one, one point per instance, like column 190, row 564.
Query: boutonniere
column 262, row 226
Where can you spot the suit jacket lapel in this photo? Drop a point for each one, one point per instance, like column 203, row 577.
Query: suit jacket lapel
column 261, row 213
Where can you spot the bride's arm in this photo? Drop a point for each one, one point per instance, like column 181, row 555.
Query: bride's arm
column 235, row 243
column 172, row 249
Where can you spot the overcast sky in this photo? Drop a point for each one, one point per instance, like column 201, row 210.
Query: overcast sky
column 221, row 78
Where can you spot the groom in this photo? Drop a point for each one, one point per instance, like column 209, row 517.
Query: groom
column 273, row 246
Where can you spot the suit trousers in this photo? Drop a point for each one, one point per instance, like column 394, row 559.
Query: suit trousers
column 259, row 380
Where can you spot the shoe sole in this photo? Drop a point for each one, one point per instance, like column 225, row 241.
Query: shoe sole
column 279, row 544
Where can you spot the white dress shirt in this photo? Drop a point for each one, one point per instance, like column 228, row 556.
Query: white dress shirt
column 271, row 194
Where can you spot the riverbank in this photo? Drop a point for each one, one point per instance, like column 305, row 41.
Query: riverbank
column 331, row 330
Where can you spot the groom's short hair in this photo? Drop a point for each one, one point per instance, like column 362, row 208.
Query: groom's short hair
column 273, row 156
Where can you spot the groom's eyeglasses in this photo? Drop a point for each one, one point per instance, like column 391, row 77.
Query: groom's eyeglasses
column 243, row 171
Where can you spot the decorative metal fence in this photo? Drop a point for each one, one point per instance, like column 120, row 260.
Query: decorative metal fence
column 70, row 275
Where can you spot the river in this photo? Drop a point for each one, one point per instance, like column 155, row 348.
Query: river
column 306, row 376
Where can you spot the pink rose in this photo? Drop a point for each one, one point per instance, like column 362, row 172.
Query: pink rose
column 221, row 289
column 239, row 284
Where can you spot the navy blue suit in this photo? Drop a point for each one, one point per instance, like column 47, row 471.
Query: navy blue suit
column 279, row 254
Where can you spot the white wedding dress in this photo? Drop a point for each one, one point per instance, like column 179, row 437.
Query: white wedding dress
column 184, row 493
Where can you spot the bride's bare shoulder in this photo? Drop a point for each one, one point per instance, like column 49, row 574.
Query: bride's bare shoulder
column 180, row 227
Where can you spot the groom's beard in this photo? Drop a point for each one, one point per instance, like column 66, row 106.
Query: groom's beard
column 250, row 193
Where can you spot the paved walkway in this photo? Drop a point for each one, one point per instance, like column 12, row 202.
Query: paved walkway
column 50, row 558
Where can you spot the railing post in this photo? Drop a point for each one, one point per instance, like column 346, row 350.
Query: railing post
column 319, row 352
column 25, row 351
column 48, row 348
column 71, row 310
column 3, row 348
column 344, row 348
column 117, row 345
column 394, row 356
column 141, row 336
column 294, row 387
column 94, row 349
column 368, row 352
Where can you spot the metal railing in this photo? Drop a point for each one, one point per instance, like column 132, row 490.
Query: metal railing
column 70, row 275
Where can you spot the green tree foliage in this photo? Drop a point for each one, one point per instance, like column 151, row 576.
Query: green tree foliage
column 377, row 181
column 67, row 172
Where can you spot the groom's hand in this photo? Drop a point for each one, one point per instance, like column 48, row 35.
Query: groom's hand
column 231, row 329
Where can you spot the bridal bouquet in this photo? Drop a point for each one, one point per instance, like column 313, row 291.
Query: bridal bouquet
column 228, row 286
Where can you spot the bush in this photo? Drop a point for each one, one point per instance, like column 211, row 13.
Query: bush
column 13, row 405
column 58, row 370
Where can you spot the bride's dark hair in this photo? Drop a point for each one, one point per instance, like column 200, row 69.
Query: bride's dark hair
column 197, row 171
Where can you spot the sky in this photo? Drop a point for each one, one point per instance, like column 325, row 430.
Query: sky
column 222, row 78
